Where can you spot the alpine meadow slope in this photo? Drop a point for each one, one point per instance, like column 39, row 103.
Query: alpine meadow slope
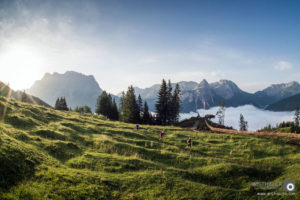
column 49, row 154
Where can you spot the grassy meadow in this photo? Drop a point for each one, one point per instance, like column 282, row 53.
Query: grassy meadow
column 48, row 154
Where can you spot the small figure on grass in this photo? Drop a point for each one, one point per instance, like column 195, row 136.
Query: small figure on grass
column 189, row 144
column 161, row 135
column 137, row 127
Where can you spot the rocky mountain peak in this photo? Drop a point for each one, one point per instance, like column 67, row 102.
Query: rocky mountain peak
column 79, row 89
column 203, row 84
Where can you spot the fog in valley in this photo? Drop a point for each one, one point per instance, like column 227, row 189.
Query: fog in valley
column 257, row 118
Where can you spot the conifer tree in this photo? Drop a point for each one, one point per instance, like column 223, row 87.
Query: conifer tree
column 114, row 110
column 175, row 104
column 103, row 106
column 162, row 104
column 146, row 114
column 57, row 104
column 243, row 123
column 64, row 105
column 130, row 109
column 140, row 106
column 170, row 106
column 61, row 104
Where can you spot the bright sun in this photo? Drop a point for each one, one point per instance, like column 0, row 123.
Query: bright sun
column 20, row 65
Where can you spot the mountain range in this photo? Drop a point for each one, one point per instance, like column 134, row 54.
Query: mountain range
column 80, row 89
column 204, row 95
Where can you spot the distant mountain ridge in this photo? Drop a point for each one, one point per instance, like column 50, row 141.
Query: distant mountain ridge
column 287, row 104
column 80, row 89
column 204, row 95
column 77, row 88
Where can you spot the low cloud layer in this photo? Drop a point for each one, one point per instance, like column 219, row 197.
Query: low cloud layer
column 257, row 118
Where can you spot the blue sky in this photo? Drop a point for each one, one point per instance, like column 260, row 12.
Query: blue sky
column 253, row 43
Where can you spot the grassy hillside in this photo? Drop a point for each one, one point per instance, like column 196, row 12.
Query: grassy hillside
column 47, row 154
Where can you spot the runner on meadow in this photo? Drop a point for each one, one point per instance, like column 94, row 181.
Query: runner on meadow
column 161, row 135
column 189, row 143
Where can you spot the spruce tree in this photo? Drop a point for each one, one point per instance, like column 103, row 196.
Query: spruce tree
column 146, row 114
column 64, row 105
column 130, row 109
column 114, row 110
column 103, row 106
column 170, row 106
column 57, row 104
column 140, row 106
column 243, row 123
column 61, row 104
column 175, row 104
column 162, row 104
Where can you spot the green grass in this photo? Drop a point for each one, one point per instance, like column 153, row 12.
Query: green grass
column 48, row 154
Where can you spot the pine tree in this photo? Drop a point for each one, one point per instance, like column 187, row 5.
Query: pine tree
column 175, row 104
column 114, row 110
column 140, row 106
column 64, row 105
column 162, row 104
column 146, row 114
column 170, row 106
column 110, row 112
column 57, row 104
column 130, row 108
column 103, row 106
column 243, row 123
column 61, row 104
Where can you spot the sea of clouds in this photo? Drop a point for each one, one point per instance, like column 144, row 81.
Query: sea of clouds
column 257, row 118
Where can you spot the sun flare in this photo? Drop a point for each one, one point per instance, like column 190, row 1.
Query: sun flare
column 20, row 64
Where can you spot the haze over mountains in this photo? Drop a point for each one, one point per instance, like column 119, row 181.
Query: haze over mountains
column 80, row 89
column 77, row 88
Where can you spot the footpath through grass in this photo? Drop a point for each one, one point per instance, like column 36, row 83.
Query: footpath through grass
column 48, row 154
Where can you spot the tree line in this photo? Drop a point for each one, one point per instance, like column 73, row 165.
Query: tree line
column 133, row 109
